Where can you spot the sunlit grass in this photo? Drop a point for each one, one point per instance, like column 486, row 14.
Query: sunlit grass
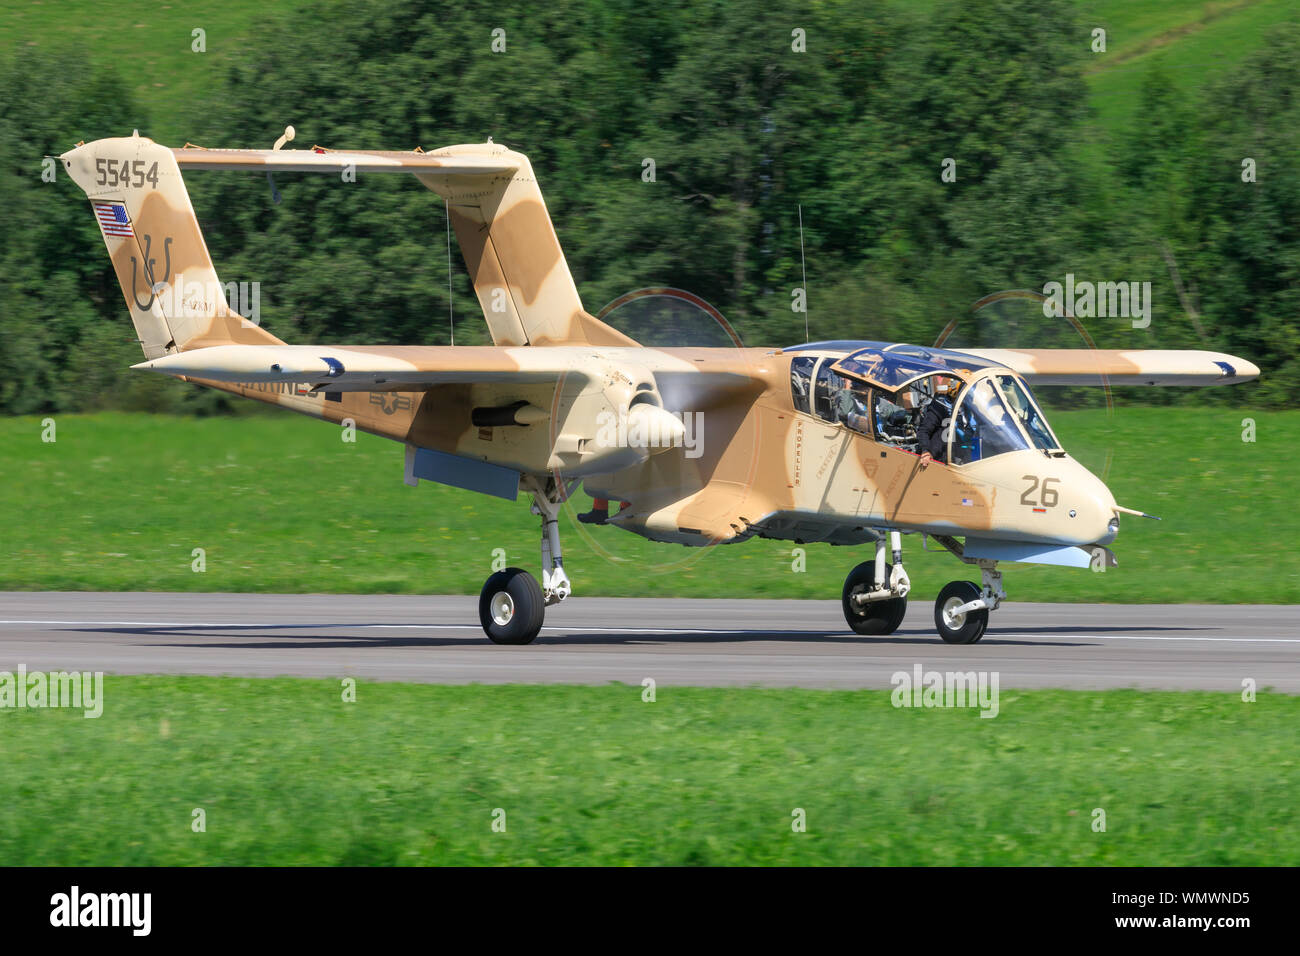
column 286, row 773
column 279, row 503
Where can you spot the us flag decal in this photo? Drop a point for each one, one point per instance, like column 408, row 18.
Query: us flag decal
column 113, row 219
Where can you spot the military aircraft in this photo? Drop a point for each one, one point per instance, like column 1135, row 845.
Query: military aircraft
column 819, row 442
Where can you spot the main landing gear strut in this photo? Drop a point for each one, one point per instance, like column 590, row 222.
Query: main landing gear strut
column 512, row 605
column 875, row 595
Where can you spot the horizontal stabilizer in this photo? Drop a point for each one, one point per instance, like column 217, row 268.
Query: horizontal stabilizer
column 357, row 160
column 495, row 205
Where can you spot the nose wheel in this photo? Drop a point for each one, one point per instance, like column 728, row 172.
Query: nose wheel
column 961, row 611
column 955, row 621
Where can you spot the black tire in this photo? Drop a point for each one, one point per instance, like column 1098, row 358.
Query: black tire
column 971, row 626
column 877, row 617
column 511, row 607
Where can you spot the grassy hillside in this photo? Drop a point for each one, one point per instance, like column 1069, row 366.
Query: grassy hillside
column 287, row 774
column 279, row 503
column 152, row 47
column 1192, row 43
column 147, row 43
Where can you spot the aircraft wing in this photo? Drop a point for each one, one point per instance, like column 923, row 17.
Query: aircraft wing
column 1121, row 366
column 414, row 368
column 370, row 368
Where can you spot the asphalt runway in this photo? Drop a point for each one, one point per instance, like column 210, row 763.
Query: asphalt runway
column 675, row 641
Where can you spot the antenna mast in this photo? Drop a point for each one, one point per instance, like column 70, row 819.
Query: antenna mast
column 804, row 266
column 451, row 314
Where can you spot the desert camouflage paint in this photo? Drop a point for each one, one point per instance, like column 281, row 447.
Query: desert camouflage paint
column 556, row 375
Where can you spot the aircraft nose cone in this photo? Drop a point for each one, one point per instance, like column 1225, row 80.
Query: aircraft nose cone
column 1093, row 510
column 1112, row 530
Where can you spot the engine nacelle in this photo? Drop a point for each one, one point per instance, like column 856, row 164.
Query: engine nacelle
column 618, row 427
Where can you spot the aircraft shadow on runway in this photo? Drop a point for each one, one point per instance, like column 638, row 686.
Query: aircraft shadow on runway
column 201, row 637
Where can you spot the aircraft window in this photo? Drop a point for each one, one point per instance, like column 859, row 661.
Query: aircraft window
column 801, row 370
column 899, row 415
column 841, row 400
column 850, row 406
column 828, row 383
column 949, row 357
column 1024, row 408
column 894, row 417
column 983, row 426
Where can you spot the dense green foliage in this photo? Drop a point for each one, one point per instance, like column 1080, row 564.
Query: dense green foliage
column 119, row 502
column 287, row 774
column 747, row 135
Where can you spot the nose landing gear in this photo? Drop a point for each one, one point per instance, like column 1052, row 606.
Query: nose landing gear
column 954, row 625
column 961, row 611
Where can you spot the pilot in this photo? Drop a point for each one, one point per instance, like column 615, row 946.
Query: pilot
column 892, row 419
column 850, row 406
column 932, row 433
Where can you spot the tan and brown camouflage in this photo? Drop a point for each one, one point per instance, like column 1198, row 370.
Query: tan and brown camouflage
column 555, row 373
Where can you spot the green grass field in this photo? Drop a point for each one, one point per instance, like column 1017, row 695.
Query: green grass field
column 279, row 503
column 288, row 774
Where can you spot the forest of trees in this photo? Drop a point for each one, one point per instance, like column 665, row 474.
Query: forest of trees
column 746, row 133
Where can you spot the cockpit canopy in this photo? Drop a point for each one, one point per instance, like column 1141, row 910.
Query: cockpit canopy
column 884, row 391
column 889, row 371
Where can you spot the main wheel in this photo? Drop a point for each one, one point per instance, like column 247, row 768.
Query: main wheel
column 511, row 607
column 966, row 628
column 875, row 617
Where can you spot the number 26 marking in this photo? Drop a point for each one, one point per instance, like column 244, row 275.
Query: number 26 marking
column 1049, row 496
